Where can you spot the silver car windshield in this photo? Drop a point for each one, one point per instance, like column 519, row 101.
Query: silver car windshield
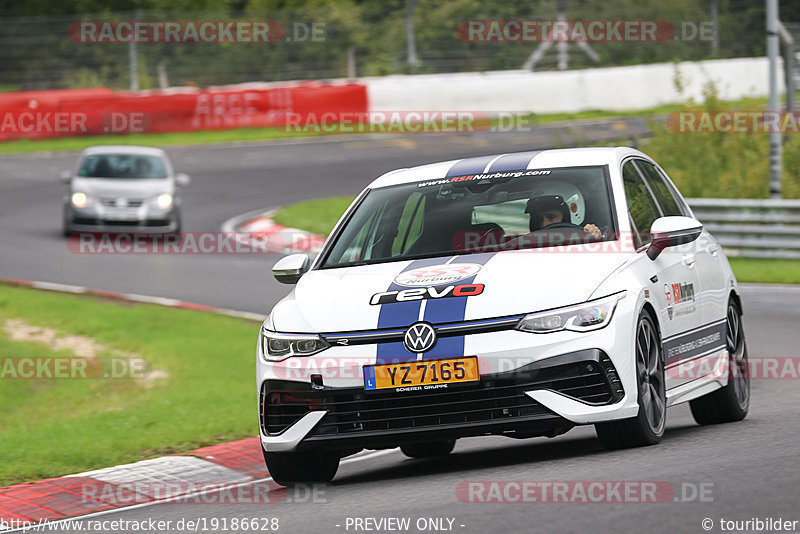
column 529, row 208
column 127, row 166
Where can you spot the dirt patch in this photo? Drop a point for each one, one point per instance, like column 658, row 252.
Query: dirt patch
column 85, row 347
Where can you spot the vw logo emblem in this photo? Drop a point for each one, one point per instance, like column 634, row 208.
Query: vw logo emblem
column 420, row 337
column 122, row 203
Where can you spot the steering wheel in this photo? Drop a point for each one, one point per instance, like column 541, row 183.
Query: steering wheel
column 556, row 226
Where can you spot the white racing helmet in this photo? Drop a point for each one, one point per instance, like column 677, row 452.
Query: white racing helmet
column 548, row 195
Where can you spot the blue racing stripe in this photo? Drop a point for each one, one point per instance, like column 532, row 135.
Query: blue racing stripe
column 401, row 315
column 404, row 314
column 513, row 162
column 469, row 166
column 451, row 310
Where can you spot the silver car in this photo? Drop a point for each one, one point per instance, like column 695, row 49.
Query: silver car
column 123, row 189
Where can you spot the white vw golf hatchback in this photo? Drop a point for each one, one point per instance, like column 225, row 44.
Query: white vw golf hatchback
column 516, row 294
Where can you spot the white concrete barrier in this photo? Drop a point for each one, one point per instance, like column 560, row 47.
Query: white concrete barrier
column 612, row 88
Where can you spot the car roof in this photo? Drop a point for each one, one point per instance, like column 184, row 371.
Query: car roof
column 124, row 149
column 535, row 159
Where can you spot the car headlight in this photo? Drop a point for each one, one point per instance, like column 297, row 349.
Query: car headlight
column 164, row 201
column 79, row 200
column 591, row 315
column 276, row 346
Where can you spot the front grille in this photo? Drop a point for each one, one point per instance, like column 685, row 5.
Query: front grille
column 402, row 411
column 112, row 202
column 121, row 223
column 497, row 397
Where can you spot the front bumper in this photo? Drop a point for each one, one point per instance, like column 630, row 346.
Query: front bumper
column 300, row 416
column 144, row 219
column 518, row 394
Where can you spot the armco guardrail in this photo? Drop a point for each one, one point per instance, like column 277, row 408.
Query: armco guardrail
column 753, row 228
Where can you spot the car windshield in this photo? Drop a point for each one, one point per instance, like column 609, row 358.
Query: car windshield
column 129, row 166
column 529, row 208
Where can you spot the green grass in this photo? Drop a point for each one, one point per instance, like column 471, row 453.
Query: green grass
column 265, row 134
column 766, row 270
column 163, row 139
column 316, row 216
column 52, row 427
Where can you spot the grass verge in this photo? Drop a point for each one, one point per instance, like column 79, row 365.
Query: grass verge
column 756, row 270
column 318, row 216
column 53, row 427
column 64, row 144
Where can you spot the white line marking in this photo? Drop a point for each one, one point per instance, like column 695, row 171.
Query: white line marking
column 133, row 297
column 52, row 286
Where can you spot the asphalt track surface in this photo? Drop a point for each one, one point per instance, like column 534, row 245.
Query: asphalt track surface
column 748, row 469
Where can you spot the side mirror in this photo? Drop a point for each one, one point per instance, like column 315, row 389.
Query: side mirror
column 183, row 179
column 672, row 231
column 65, row 176
column 288, row 270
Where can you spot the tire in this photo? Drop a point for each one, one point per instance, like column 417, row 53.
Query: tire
column 647, row 428
column 731, row 402
column 428, row 449
column 287, row 468
column 65, row 228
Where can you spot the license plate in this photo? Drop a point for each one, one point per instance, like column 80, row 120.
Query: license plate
column 421, row 375
column 121, row 217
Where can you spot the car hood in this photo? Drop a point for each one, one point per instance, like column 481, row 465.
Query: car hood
column 120, row 187
column 518, row 282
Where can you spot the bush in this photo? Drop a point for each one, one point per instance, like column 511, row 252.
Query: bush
column 722, row 165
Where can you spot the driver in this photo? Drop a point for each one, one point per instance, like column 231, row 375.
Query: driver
column 558, row 205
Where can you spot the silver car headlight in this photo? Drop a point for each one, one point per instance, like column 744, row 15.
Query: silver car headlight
column 80, row 199
column 164, row 201
column 584, row 317
column 276, row 346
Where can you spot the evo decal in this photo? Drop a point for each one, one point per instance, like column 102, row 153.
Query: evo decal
column 423, row 293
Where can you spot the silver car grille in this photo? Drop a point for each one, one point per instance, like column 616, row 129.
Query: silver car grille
column 130, row 202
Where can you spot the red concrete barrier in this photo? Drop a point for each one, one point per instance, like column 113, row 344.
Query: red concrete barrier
column 75, row 112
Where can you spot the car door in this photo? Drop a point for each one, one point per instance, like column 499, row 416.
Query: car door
column 674, row 270
column 713, row 290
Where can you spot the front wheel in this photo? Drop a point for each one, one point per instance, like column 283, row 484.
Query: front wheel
column 647, row 428
column 287, row 468
column 65, row 226
column 731, row 402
